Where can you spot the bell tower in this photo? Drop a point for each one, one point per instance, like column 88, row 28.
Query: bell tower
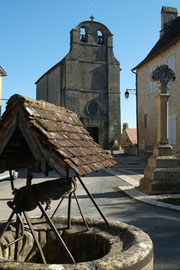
column 89, row 81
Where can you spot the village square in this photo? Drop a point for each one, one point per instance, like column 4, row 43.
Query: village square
column 80, row 187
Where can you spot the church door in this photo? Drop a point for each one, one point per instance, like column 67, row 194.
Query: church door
column 94, row 133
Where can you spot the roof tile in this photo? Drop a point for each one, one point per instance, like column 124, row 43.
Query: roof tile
column 65, row 153
column 60, row 132
column 86, row 168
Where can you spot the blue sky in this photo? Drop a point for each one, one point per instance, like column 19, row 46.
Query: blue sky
column 35, row 36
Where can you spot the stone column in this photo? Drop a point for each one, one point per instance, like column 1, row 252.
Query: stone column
column 162, row 175
column 162, row 132
column 163, row 74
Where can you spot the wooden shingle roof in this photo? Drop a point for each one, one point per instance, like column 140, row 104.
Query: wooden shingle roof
column 44, row 137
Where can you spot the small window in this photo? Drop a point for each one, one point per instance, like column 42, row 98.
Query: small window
column 152, row 85
column 145, row 120
column 99, row 37
column 83, row 35
column 171, row 62
column 92, row 108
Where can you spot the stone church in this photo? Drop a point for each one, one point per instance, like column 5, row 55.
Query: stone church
column 86, row 81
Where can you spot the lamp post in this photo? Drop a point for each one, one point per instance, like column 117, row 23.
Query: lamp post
column 128, row 91
column 126, row 94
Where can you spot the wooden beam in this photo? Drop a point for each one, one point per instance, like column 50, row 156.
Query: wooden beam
column 39, row 151
column 8, row 134
column 52, row 162
column 34, row 147
column 29, row 139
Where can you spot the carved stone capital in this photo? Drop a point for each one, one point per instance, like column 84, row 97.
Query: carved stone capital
column 163, row 74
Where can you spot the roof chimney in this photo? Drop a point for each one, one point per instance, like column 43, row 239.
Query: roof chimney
column 125, row 126
column 168, row 14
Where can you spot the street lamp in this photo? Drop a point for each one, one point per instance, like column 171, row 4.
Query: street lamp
column 132, row 91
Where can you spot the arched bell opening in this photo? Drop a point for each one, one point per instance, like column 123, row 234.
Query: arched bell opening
column 99, row 37
column 83, row 34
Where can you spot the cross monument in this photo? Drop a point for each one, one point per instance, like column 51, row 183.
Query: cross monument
column 162, row 175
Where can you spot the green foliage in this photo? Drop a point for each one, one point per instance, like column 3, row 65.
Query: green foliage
column 174, row 201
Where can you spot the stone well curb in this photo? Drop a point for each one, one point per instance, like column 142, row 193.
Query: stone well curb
column 130, row 249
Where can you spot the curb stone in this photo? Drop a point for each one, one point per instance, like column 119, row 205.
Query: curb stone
column 137, row 194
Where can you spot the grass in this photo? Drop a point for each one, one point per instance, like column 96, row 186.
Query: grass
column 174, row 201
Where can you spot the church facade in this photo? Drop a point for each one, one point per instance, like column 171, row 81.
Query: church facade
column 87, row 82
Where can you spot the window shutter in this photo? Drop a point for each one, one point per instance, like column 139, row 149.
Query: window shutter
column 172, row 128
column 169, row 128
column 152, row 85
column 171, row 62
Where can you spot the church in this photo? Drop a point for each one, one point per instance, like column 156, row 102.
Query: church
column 87, row 82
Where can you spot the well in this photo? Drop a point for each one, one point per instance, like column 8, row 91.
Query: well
column 119, row 247
column 41, row 137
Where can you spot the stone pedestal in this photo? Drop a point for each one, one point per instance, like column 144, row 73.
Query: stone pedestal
column 162, row 175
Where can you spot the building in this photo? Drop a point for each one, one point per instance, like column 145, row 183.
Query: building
column 129, row 140
column 86, row 81
column 166, row 51
column 2, row 73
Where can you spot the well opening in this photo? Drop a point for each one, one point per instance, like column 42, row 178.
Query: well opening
column 117, row 247
column 84, row 245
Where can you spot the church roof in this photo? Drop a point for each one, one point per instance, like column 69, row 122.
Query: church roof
column 53, row 67
column 132, row 135
column 44, row 136
column 171, row 35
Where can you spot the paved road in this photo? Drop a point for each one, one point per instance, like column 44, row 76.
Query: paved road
column 161, row 224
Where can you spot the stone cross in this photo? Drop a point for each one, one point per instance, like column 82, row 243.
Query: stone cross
column 92, row 18
column 163, row 74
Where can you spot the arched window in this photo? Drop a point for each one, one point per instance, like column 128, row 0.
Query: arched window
column 83, row 35
column 99, row 37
